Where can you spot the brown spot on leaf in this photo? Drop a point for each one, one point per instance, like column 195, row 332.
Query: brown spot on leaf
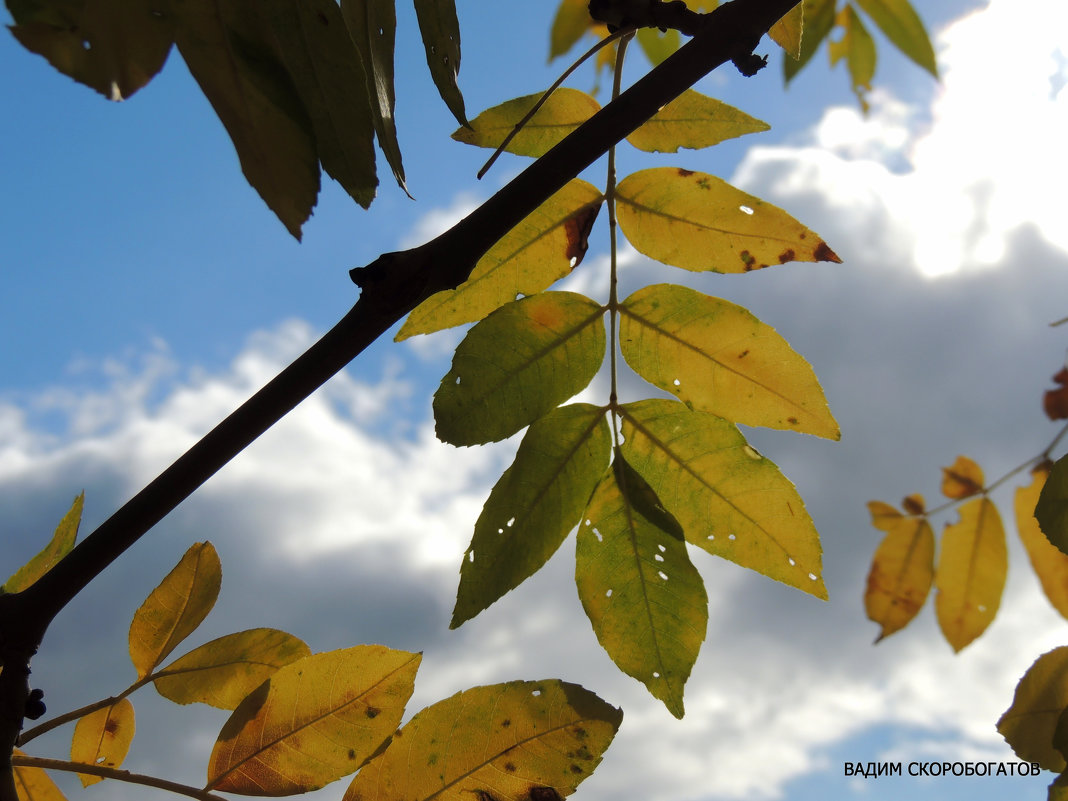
column 684, row 173
column 372, row 711
column 322, row 18
column 824, row 253
column 542, row 793
column 743, row 354
column 485, row 795
column 352, row 754
column 508, row 766
column 787, row 255
column 111, row 725
column 792, row 421
column 747, row 260
column 577, row 229
column 579, row 732
column 505, row 723
column 575, row 768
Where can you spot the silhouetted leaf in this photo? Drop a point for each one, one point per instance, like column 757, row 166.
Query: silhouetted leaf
column 658, row 45
column 572, row 20
column 693, row 120
column 1052, row 507
column 1049, row 563
column 441, row 39
column 902, row 26
column 103, row 738
column 902, row 570
column 564, row 111
column 59, row 546
column 1041, row 696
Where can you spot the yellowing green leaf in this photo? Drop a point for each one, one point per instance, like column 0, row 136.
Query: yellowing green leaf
column 224, row 671
column 33, row 784
column 971, row 572
column 564, row 111
column 858, row 49
column 59, row 546
column 441, row 40
column 729, row 500
column 644, row 597
column 658, row 45
column 572, row 20
column 1041, row 696
column 113, row 46
column 517, row 364
column 963, row 479
column 534, row 505
column 902, row 26
column 1049, row 563
column 787, row 31
column 1051, row 511
column 175, row 608
column 818, row 21
column 693, row 120
column 103, row 738
column 544, row 247
column 902, row 570
column 314, row 721
column 717, row 357
column 698, row 222
column 520, row 741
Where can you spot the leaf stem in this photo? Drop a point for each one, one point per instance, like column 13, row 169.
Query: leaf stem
column 75, row 714
column 613, row 266
column 23, row 761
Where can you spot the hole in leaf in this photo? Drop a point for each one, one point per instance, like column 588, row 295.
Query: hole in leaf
column 731, row 537
column 573, row 262
column 677, row 383
column 711, row 537
column 608, row 594
column 745, row 210
column 457, row 380
column 470, row 556
column 656, row 674
column 662, row 574
column 812, row 576
column 791, row 561
column 86, row 45
column 598, row 535
column 500, row 531
column 981, row 607
column 536, row 693
column 510, row 522
column 100, row 760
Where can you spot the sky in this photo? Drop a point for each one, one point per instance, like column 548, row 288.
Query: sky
column 146, row 292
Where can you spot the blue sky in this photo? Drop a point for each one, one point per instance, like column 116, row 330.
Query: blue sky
column 147, row 291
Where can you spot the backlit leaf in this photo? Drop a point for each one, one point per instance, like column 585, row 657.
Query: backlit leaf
column 914, row 504
column 312, row 722
column 695, row 121
column 441, row 40
column 103, row 738
column 555, row 343
column 519, row 741
column 963, row 479
column 902, row 570
column 564, row 111
column 729, row 499
column 818, row 21
column 372, row 25
column 1051, row 511
column 572, row 20
column 658, row 45
column 175, row 608
column 644, row 597
column 33, row 784
column 534, row 505
column 858, row 49
column 544, row 247
column 971, row 572
column 59, row 546
column 1041, row 696
column 717, row 357
column 902, row 26
column 229, row 48
column 1049, row 563
column 787, row 31
column 698, row 222
column 224, row 671
column 113, row 46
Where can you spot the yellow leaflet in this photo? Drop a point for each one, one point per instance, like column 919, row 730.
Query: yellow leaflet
column 1049, row 562
column 694, row 121
column 530, row 740
column 698, row 222
column 787, row 31
column 971, row 572
column 858, row 49
column 1041, row 696
column 657, row 44
column 818, row 21
column 544, row 247
column 103, row 738
column 564, row 111
column 59, row 546
column 222, row 672
column 316, row 720
column 883, row 516
column 33, row 784
column 902, row 26
column 964, row 478
column 717, row 357
column 914, row 504
column 175, row 608
column 729, row 500
column 901, row 572
column 572, row 20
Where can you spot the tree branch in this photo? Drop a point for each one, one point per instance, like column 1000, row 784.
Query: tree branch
column 116, row 774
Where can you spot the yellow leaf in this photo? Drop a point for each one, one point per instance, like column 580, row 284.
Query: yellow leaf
column 103, row 738
column 717, row 357
column 520, row 741
column 858, row 49
column 644, row 597
column 33, row 784
column 730, row 500
column 787, row 31
column 698, row 222
column 563, row 111
column 1049, row 562
column 694, row 121
column 222, row 672
column 1041, row 696
column 883, row 516
column 59, row 546
column 175, row 608
column 818, row 21
column 963, row 479
column 901, row 571
column 902, row 26
column 314, row 721
column 544, row 247
column 572, row 20
column 971, row 572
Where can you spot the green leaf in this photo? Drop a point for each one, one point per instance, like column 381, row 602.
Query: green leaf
column 563, row 111
column 325, row 68
column 1028, row 726
column 547, row 245
column 517, row 364
column 658, row 45
column 693, row 120
column 818, row 21
column 112, row 46
column 572, row 20
column 533, row 506
column 729, row 499
column 902, row 26
column 372, row 25
column 103, row 737
column 698, row 222
column 858, row 49
column 59, row 546
column 441, row 39
column 717, row 357
column 520, row 741
column 645, row 599
column 1051, row 511
column 231, row 53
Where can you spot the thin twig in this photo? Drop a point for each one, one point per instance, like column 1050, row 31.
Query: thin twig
column 23, row 761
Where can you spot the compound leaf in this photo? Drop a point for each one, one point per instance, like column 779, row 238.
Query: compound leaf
column 1049, row 563
column 519, row 741
column 441, row 40
column 717, row 357
column 693, row 120
column 699, row 222
column 313, row 721
column 564, row 111
column 902, row 26
column 902, row 570
column 103, row 738
column 59, row 546
column 728, row 498
column 1028, row 726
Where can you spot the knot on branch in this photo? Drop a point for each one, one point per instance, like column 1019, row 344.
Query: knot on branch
column 662, row 14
